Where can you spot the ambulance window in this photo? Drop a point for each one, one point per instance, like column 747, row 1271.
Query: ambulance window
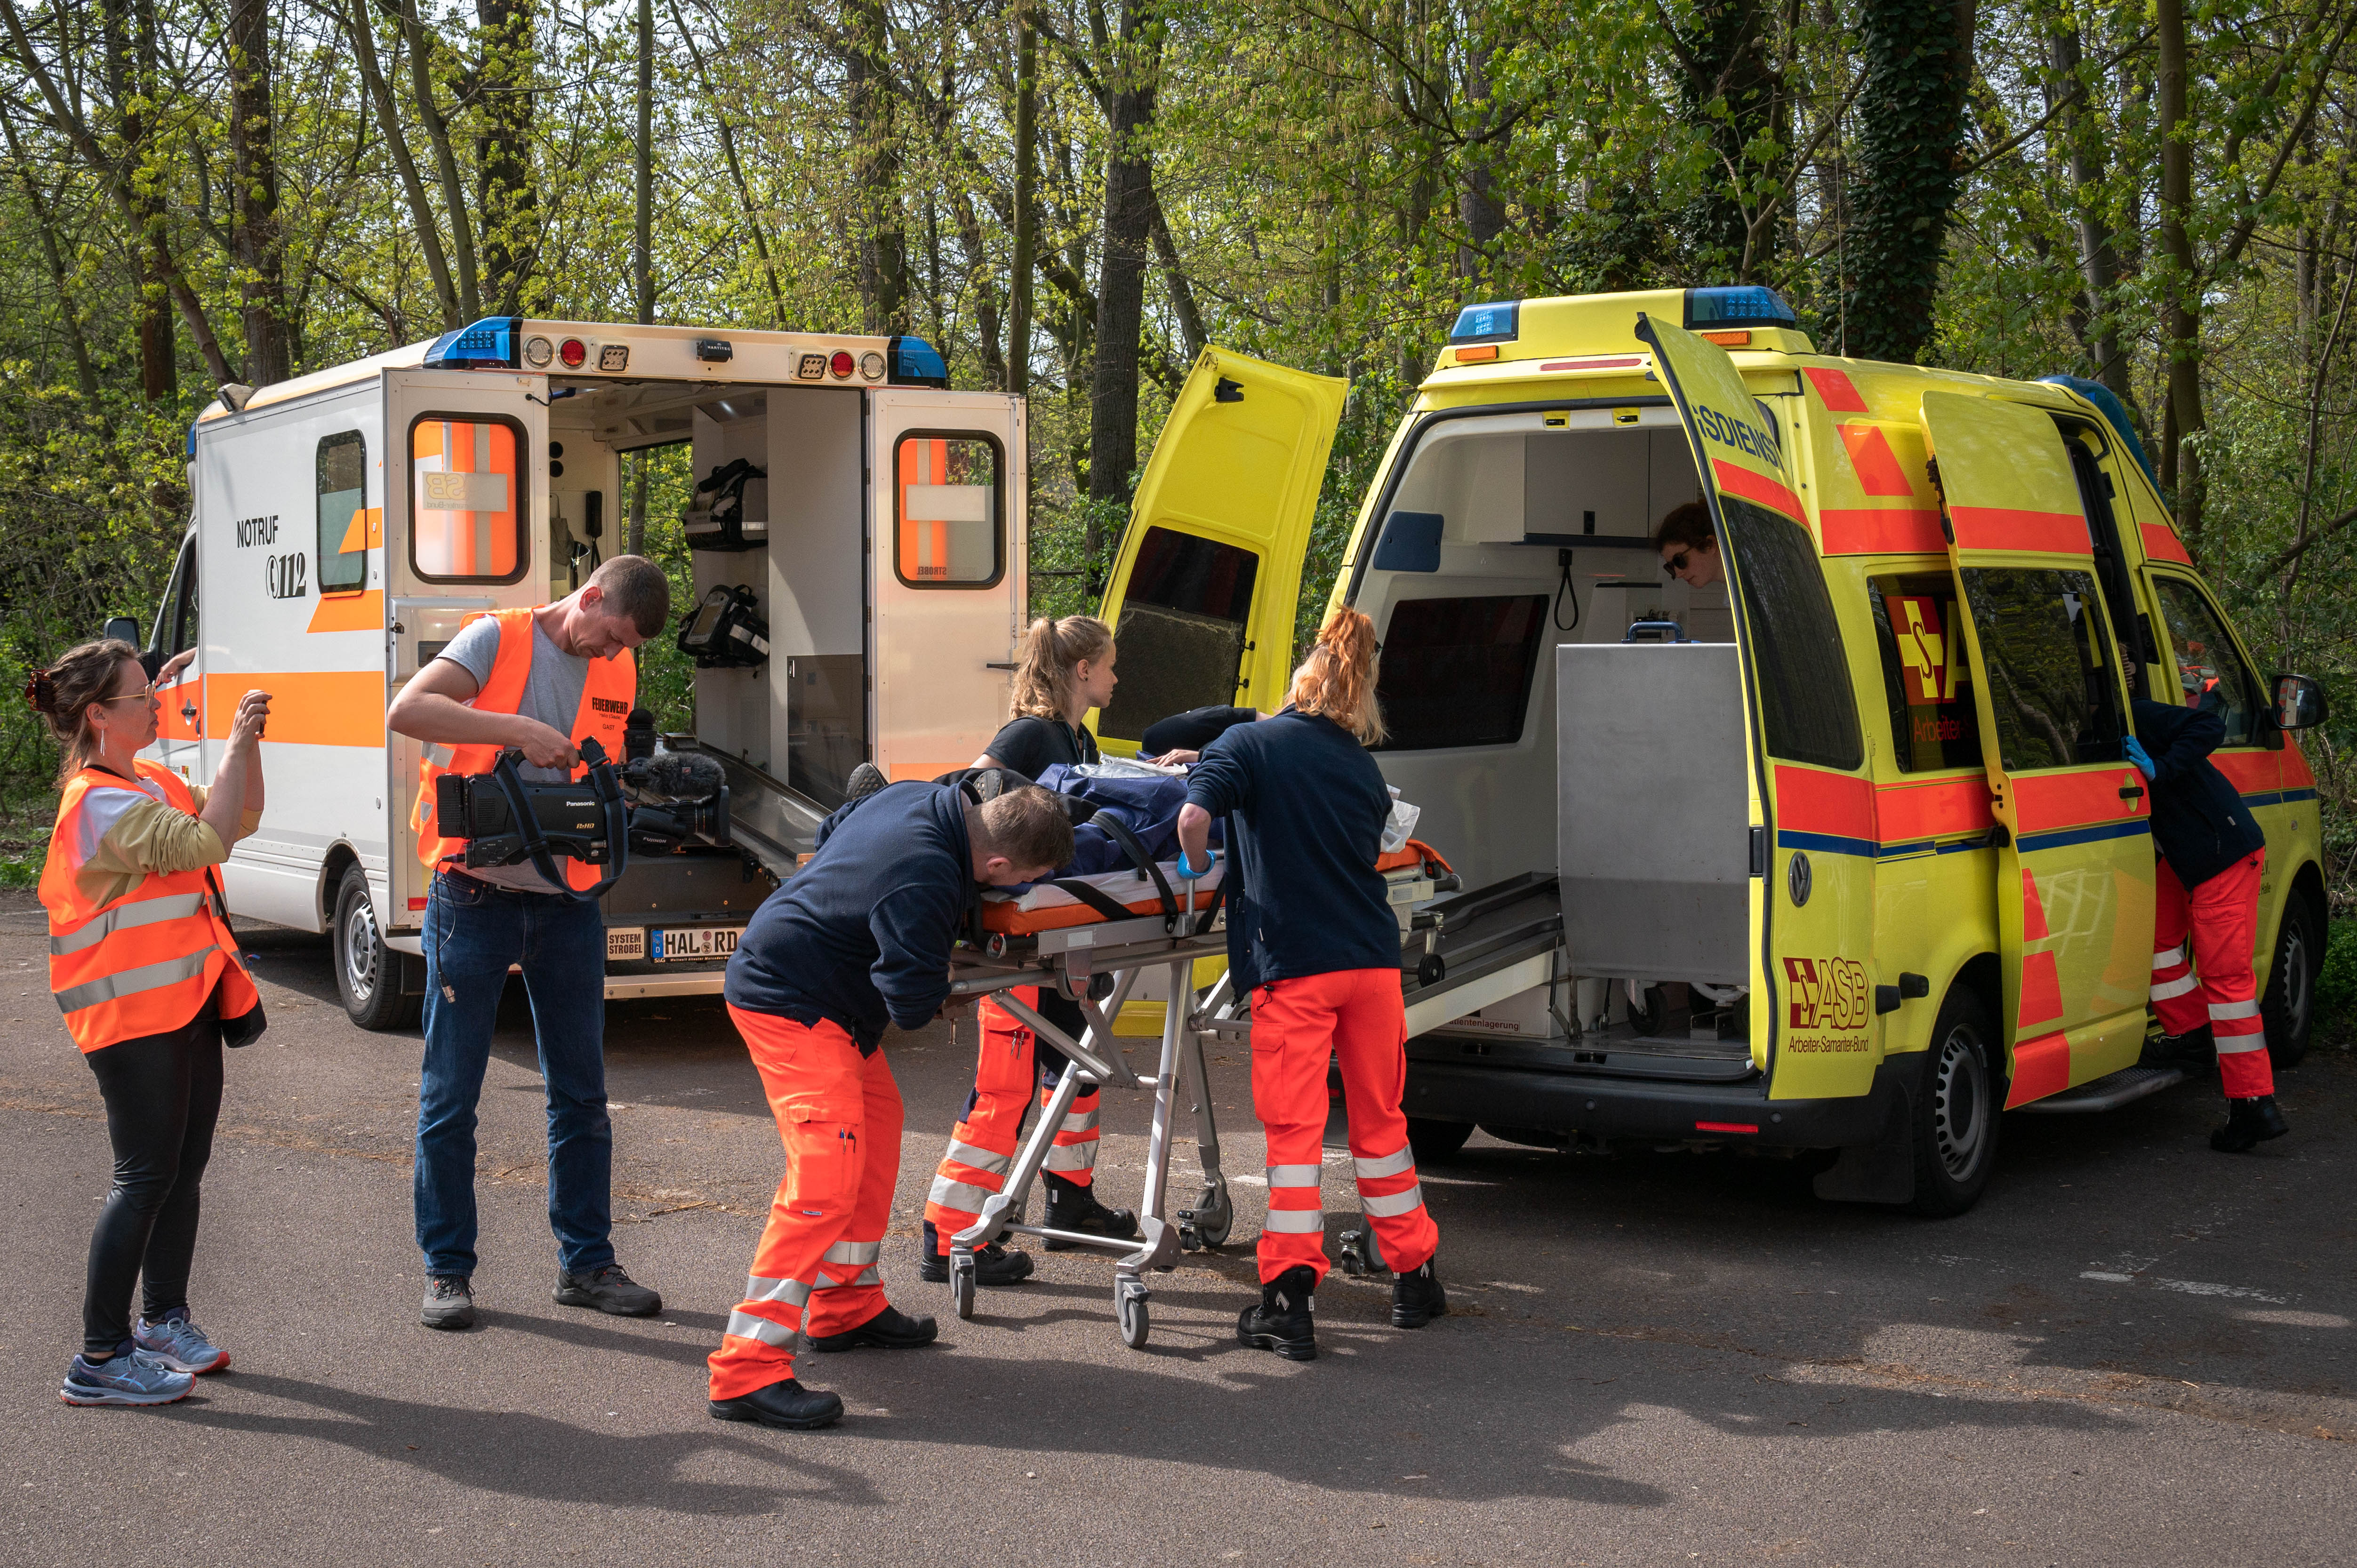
column 343, row 531
column 179, row 632
column 948, row 516
column 2208, row 669
column 2054, row 691
column 1457, row 671
column 1182, row 631
column 467, row 508
column 1807, row 711
column 1926, row 677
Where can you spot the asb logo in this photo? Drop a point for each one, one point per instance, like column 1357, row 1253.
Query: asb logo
column 1827, row 993
column 1927, row 665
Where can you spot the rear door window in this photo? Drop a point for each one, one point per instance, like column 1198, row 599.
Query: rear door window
column 948, row 520
column 1182, row 630
column 2208, row 666
column 466, row 499
column 1927, row 679
column 2052, row 677
column 1458, row 671
column 1807, row 711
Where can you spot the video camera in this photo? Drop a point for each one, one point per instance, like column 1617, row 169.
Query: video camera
column 655, row 801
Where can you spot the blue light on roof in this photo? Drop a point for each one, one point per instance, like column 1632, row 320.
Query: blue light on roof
column 488, row 344
column 1496, row 322
column 915, row 363
column 1748, row 305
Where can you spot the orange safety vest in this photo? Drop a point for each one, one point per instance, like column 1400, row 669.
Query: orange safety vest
column 607, row 697
column 145, row 963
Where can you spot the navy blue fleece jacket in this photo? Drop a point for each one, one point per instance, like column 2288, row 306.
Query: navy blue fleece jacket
column 862, row 932
column 2199, row 824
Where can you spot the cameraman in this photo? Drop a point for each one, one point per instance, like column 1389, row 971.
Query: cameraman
column 542, row 681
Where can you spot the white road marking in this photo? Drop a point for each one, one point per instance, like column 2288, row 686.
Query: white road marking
column 2183, row 1287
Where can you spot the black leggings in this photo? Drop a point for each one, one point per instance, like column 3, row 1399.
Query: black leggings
column 163, row 1095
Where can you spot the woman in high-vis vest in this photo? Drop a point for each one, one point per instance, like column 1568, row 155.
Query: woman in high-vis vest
column 146, row 972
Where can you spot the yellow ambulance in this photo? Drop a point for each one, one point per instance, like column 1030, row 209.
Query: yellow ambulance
column 1838, row 852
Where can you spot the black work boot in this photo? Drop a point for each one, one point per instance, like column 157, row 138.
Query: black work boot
column 2195, row 1050
column 993, row 1266
column 2249, row 1122
column 1072, row 1207
column 785, row 1403
column 1285, row 1320
column 1417, row 1297
column 890, row 1329
column 609, row 1290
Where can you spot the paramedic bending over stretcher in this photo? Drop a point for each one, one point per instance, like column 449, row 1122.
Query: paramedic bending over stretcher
column 859, row 936
column 1312, row 939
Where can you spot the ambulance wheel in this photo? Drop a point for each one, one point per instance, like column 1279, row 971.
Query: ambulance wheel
column 2288, row 1009
column 962, row 1285
column 1957, row 1108
column 370, row 976
column 1433, row 1141
column 1129, row 1310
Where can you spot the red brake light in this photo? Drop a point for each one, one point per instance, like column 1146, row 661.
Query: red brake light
column 1727, row 1127
column 573, row 353
column 841, row 363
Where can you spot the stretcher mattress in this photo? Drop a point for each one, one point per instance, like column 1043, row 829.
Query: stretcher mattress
column 1044, row 907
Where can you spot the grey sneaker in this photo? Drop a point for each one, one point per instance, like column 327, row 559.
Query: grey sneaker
column 132, row 1376
column 865, row 780
column 179, row 1344
column 449, row 1302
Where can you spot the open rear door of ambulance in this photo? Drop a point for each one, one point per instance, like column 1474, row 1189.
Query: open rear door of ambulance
column 2074, row 877
column 1809, row 854
column 1203, row 592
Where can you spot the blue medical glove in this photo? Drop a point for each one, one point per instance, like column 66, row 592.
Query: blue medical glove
column 2137, row 755
column 1210, row 859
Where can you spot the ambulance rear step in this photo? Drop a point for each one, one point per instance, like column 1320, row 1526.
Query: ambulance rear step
column 1473, row 949
column 2109, row 1092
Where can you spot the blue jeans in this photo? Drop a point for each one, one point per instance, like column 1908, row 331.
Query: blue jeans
column 473, row 933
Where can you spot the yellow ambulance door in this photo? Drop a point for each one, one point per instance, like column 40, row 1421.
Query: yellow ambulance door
column 1202, row 593
column 1811, row 807
column 2075, row 893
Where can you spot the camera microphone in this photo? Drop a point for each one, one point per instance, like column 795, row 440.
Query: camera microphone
column 683, row 775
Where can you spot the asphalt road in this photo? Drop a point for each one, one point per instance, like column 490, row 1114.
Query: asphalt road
column 2134, row 1352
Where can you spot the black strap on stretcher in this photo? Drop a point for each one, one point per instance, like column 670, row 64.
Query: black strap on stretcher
column 1095, row 897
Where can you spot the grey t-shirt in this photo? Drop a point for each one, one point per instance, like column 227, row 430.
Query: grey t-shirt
column 551, row 694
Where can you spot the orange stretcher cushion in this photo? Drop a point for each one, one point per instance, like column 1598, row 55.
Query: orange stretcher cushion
column 1004, row 917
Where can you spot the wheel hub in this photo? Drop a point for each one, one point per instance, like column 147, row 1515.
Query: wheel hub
column 1960, row 1103
column 360, row 950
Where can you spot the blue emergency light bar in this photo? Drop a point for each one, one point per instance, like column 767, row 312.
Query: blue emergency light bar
column 1498, row 321
column 1748, row 305
column 913, row 362
column 488, row 345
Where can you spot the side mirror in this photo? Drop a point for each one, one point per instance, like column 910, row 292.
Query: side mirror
column 122, row 629
column 2300, row 702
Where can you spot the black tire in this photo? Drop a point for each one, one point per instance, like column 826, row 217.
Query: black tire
column 2288, row 1009
column 370, row 976
column 1958, row 1102
column 1433, row 1143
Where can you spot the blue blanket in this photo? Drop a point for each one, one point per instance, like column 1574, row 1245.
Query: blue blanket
column 1148, row 807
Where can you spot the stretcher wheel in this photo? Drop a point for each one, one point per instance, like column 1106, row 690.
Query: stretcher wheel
column 1430, row 970
column 1211, row 1219
column 1129, row 1308
column 962, row 1283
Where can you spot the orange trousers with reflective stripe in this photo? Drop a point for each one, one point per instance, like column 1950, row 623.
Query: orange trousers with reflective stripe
column 983, row 1144
column 2222, row 916
column 839, row 1115
column 1355, row 1014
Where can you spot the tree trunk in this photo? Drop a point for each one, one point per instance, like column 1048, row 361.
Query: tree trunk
column 422, row 223
column 422, row 46
column 255, row 241
column 642, row 169
column 2180, row 321
column 131, row 86
column 1121, row 284
column 876, row 172
column 1911, row 115
column 1730, row 91
column 61, row 280
column 735, row 171
column 1027, row 220
column 510, row 204
column 2099, row 267
column 1479, row 217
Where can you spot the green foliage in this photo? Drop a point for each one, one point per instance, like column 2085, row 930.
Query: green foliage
column 2336, row 983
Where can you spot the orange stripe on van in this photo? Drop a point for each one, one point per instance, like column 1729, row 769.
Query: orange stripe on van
column 1881, row 531
column 2042, row 991
column 2014, row 528
column 1878, row 473
column 1909, row 811
column 307, row 707
column 349, row 612
column 2040, row 1066
column 1812, row 802
column 1751, row 487
column 365, row 531
column 2069, row 800
column 169, row 724
column 1834, row 387
column 2297, row 774
column 2161, row 543
column 2250, row 771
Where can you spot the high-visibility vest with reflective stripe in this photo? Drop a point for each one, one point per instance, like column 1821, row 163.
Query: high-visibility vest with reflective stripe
column 144, row 963
column 606, row 700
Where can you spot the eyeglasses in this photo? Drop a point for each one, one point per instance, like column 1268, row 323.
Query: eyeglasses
column 146, row 695
column 1676, row 563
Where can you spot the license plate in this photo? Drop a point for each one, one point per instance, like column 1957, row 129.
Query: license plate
column 692, row 942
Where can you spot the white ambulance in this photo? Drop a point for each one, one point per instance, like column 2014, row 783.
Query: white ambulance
column 347, row 523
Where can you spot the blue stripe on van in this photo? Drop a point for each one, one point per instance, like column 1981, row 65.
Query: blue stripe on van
column 2134, row 827
column 1826, row 843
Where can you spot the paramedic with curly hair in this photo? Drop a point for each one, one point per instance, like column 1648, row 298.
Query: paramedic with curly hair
column 1313, row 941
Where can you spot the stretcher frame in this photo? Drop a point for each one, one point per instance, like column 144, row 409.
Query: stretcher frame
column 1070, row 959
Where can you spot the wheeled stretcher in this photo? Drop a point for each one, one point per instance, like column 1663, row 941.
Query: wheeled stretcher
column 1128, row 924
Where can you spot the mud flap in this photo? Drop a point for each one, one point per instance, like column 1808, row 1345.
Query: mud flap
column 1879, row 1172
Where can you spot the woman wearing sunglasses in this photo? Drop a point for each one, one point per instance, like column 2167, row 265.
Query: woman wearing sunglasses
column 146, row 972
column 1689, row 548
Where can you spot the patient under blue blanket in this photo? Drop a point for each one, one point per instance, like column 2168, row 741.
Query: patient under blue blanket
column 1148, row 807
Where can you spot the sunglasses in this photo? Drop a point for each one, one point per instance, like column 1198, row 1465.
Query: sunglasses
column 1676, row 563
